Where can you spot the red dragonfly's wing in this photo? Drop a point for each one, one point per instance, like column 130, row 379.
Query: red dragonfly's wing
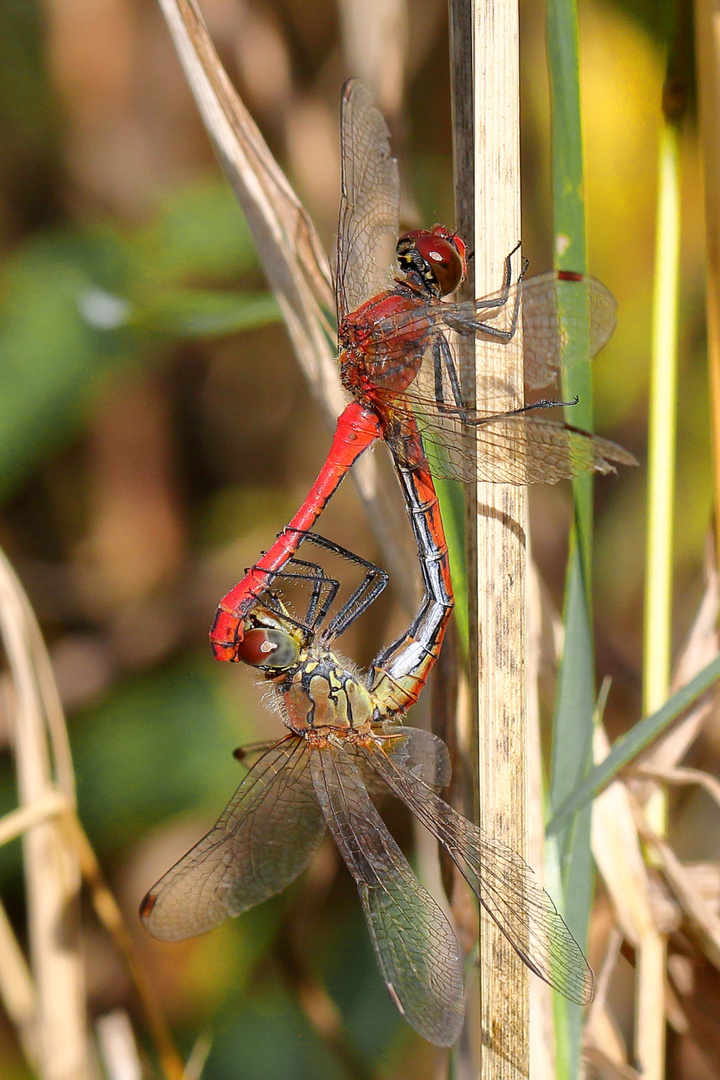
column 264, row 839
column 369, row 204
column 514, row 449
column 471, row 444
column 555, row 309
column 416, row 949
column 503, row 883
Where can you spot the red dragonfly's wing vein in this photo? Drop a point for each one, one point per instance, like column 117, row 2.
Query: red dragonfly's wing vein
column 415, row 946
column 369, row 203
column 263, row 840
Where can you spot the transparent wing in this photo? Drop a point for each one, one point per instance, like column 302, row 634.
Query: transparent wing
column 416, row 949
column 423, row 753
column 369, row 204
column 420, row 752
column 519, row 449
column 556, row 308
column 264, row 839
column 503, row 883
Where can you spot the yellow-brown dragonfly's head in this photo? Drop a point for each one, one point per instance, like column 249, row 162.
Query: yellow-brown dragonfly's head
column 269, row 642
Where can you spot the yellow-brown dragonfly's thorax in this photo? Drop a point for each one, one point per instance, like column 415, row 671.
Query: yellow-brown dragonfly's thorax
column 320, row 692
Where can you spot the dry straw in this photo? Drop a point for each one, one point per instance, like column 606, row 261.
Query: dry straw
column 44, row 995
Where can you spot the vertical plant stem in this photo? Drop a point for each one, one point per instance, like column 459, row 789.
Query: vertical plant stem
column 652, row 949
column 661, row 451
column 707, row 44
column 573, row 719
column 652, row 954
column 498, row 534
column 52, row 874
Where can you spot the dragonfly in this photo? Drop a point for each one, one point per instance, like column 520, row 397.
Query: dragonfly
column 344, row 746
column 406, row 379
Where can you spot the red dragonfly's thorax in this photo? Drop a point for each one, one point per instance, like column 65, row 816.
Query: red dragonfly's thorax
column 383, row 342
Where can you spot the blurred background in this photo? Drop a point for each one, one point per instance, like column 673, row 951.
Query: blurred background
column 146, row 457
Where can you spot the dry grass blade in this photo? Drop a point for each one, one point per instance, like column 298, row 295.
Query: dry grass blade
column 700, row 648
column 117, row 1046
column 600, row 1065
column 17, row 991
column 287, row 243
column 601, row 1034
column 702, row 922
column 598, row 1006
column 110, row 916
column 52, row 872
column 46, row 1001
column 289, row 249
column 682, row 776
column 617, row 852
column 375, row 40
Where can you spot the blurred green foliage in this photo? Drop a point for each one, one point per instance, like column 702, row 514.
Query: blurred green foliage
column 78, row 303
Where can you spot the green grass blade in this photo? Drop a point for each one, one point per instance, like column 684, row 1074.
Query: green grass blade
column 629, row 746
column 573, row 719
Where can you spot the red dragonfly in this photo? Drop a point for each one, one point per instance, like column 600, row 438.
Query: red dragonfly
column 406, row 381
column 344, row 743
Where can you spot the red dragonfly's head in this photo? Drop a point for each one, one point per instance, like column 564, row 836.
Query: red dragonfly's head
column 434, row 258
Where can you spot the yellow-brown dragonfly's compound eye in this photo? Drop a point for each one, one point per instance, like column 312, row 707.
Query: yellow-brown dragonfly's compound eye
column 268, row 648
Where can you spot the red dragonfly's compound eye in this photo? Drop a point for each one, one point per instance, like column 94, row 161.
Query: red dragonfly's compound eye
column 436, row 254
column 267, row 648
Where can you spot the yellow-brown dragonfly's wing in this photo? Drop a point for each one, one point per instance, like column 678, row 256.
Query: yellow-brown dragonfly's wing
column 264, row 839
column 503, row 883
column 415, row 946
column 369, row 203
column 419, row 752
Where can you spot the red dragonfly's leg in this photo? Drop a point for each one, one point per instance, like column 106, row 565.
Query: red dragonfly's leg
column 399, row 674
column 356, row 429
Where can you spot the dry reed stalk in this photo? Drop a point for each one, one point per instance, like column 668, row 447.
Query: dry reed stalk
column 497, row 517
column 52, row 873
column 46, row 1000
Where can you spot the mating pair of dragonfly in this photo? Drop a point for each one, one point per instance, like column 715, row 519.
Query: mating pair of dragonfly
column 346, row 737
